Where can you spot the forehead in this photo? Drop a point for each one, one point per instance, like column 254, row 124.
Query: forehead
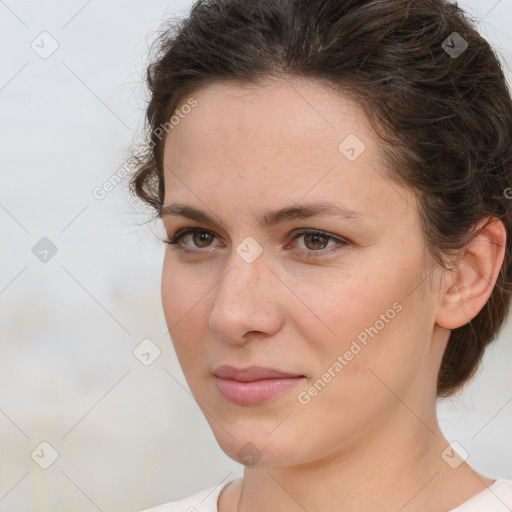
column 275, row 142
column 284, row 112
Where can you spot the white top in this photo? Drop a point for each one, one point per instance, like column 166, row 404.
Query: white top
column 496, row 498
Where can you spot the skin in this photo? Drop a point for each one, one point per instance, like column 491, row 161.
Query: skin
column 370, row 440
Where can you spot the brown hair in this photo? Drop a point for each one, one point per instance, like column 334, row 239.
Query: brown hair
column 444, row 119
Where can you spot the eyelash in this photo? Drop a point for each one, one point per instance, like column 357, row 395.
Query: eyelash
column 342, row 243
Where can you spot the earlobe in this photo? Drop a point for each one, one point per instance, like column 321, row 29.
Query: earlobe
column 470, row 285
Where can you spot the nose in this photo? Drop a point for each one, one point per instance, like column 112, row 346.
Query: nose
column 248, row 299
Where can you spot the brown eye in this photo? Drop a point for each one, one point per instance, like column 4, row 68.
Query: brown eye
column 315, row 241
column 201, row 238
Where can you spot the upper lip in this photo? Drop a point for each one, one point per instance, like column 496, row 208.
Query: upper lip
column 251, row 373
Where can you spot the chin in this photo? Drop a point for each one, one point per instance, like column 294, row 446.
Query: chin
column 255, row 447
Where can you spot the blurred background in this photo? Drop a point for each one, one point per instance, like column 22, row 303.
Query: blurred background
column 95, row 413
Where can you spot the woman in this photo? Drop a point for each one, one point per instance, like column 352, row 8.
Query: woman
column 334, row 180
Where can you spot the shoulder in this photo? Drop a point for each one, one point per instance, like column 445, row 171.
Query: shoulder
column 501, row 491
column 496, row 498
column 202, row 501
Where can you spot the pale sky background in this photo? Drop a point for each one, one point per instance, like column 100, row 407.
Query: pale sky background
column 126, row 436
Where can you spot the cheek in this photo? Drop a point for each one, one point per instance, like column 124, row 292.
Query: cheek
column 361, row 316
column 370, row 341
column 172, row 292
column 384, row 350
column 337, row 307
column 181, row 303
column 182, row 289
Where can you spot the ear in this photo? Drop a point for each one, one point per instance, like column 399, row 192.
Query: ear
column 470, row 285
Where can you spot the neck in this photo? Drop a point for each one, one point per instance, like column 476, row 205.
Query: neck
column 396, row 466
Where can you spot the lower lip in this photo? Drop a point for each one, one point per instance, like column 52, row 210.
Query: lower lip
column 254, row 392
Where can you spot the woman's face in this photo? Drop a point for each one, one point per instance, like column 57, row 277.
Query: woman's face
column 348, row 308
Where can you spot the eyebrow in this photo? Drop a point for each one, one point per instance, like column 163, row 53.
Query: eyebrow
column 269, row 219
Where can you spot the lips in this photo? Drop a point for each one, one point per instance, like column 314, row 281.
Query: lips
column 253, row 385
column 251, row 373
